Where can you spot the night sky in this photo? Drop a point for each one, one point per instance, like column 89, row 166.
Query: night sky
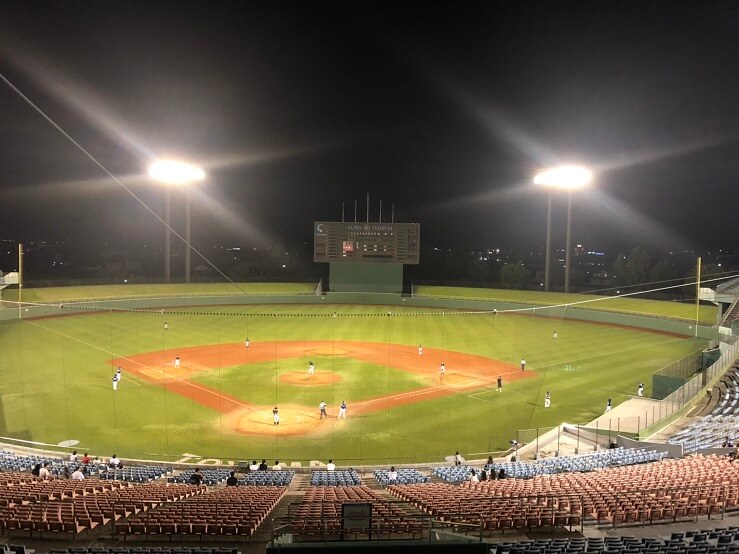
column 444, row 109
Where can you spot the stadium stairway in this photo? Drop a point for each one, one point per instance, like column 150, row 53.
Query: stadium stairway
column 712, row 400
column 300, row 483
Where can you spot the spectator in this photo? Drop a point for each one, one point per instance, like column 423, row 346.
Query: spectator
column 44, row 472
column 86, row 459
column 728, row 443
column 501, row 473
column 263, row 465
column 490, row 461
column 254, row 466
column 78, row 475
column 36, row 470
column 73, row 457
column 473, row 476
column 65, row 472
column 196, row 478
column 457, row 459
column 483, row 475
column 330, row 466
column 392, row 476
column 232, row 481
column 277, row 466
column 114, row 461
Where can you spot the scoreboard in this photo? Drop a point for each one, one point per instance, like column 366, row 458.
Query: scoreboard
column 397, row 243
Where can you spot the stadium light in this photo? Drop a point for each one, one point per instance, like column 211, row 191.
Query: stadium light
column 172, row 172
column 568, row 178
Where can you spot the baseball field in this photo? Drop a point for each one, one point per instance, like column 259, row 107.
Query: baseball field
column 56, row 380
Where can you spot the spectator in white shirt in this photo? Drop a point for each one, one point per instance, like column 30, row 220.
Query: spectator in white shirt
column 114, row 461
column 44, row 472
column 277, row 466
column 73, row 457
column 473, row 476
column 330, row 466
column 78, row 475
column 392, row 476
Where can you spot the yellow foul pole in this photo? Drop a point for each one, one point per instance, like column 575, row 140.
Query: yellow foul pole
column 697, row 294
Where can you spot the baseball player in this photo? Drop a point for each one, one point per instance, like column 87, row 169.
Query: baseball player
column 177, row 361
column 420, row 350
column 119, row 373
column 342, row 410
column 555, row 335
column 275, row 416
column 523, row 364
column 322, row 407
column 500, row 383
column 311, row 368
column 442, row 369
column 115, row 382
column 247, row 342
column 547, row 400
column 640, row 389
column 608, row 405
column 166, row 326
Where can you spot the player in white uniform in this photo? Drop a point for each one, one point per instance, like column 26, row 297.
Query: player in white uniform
column 420, row 350
column 177, row 361
column 523, row 364
column 608, row 405
column 247, row 342
column 166, row 326
column 442, row 369
column 322, row 407
column 275, row 416
column 547, row 400
column 119, row 373
column 555, row 335
column 311, row 368
column 640, row 389
column 115, row 382
column 342, row 410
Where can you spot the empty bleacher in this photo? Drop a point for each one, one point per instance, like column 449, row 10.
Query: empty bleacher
column 319, row 515
column 335, row 478
column 225, row 512
column 662, row 491
column 716, row 540
column 548, row 466
column 712, row 430
column 406, row 476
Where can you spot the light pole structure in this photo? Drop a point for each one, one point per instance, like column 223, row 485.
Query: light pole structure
column 180, row 174
column 568, row 178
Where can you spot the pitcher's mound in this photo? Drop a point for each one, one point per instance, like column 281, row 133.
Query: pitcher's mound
column 302, row 378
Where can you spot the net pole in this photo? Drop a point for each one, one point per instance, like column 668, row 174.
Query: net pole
column 20, row 280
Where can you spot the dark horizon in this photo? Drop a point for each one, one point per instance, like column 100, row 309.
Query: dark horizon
column 295, row 108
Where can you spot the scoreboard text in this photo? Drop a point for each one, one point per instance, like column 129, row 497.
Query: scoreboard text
column 366, row 242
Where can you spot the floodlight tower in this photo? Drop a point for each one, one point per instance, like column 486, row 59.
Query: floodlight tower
column 568, row 178
column 179, row 174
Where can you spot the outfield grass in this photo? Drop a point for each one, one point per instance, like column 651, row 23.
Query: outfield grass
column 660, row 308
column 55, row 381
column 103, row 292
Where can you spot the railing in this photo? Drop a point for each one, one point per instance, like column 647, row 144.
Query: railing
column 331, row 528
